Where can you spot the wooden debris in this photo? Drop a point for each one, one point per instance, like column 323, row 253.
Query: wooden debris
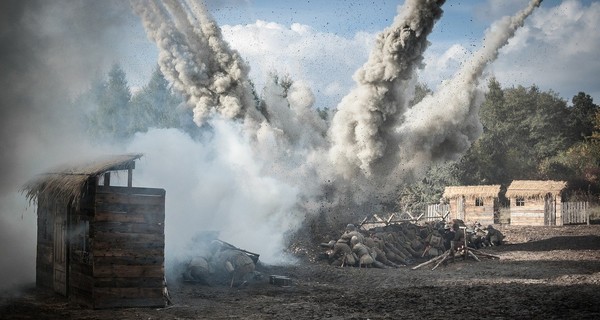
column 463, row 252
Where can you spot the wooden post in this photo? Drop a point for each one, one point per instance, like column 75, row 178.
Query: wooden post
column 107, row 179
column 587, row 213
column 129, row 177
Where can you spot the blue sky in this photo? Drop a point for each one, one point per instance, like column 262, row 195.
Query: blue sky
column 324, row 42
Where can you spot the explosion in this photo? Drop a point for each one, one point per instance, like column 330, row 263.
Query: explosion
column 374, row 143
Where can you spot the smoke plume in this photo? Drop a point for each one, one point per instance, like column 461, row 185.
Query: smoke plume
column 362, row 127
column 196, row 60
column 444, row 125
column 287, row 163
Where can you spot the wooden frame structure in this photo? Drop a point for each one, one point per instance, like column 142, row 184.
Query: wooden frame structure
column 473, row 203
column 102, row 246
column 536, row 202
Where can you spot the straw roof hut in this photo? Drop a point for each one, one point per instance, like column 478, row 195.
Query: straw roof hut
column 99, row 244
column 68, row 180
column 535, row 202
column 485, row 191
column 534, row 188
column 473, row 203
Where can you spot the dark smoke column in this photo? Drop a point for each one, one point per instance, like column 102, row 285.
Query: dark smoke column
column 361, row 128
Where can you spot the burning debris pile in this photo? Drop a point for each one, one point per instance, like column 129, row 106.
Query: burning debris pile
column 401, row 244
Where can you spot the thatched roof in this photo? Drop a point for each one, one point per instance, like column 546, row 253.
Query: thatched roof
column 534, row 188
column 488, row 191
column 68, row 181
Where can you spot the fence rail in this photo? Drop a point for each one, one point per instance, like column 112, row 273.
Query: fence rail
column 575, row 212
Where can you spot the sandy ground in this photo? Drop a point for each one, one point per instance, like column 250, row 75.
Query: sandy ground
column 543, row 273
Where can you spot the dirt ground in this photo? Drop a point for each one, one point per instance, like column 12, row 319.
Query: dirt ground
column 543, row 273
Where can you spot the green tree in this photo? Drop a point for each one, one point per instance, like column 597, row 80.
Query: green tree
column 581, row 116
column 582, row 163
column 155, row 106
column 111, row 119
column 523, row 127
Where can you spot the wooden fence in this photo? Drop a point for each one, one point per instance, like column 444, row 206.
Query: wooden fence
column 575, row 213
column 436, row 212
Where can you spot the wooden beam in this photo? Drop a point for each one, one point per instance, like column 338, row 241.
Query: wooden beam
column 129, row 177
column 107, row 179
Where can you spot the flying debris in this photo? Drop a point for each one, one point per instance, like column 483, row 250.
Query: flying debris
column 374, row 142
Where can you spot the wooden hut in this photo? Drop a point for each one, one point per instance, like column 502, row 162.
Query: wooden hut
column 535, row 203
column 99, row 244
column 473, row 203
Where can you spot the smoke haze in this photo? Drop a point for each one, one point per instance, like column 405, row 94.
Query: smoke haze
column 254, row 176
column 49, row 50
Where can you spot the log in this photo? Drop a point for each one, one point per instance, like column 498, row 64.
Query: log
column 472, row 255
column 447, row 254
column 487, row 255
column 434, row 259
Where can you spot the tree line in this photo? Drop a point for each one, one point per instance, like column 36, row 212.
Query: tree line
column 528, row 134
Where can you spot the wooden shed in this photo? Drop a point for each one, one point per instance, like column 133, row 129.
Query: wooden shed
column 99, row 244
column 473, row 203
column 536, row 202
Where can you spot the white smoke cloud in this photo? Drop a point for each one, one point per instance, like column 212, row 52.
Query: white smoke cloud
column 49, row 50
column 217, row 184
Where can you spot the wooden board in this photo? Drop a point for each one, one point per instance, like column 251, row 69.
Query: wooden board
column 124, row 271
column 115, row 226
column 129, row 282
column 129, row 303
column 127, row 245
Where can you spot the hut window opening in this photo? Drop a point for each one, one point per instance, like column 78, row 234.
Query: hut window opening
column 479, row 202
column 520, row 201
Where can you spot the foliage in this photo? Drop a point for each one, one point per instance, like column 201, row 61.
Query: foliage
column 581, row 117
column 521, row 131
column 154, row 106
column 111, row 119
column 115, row 114
column 529, row 134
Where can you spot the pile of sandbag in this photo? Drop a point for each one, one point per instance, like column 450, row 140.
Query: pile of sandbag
column 396, row 245
column 221, row 261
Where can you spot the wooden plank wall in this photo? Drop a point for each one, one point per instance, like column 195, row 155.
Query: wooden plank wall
column 127, row 236
column 44, row 270
column 81, row 281
column 531, row 214
column 482, row 214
